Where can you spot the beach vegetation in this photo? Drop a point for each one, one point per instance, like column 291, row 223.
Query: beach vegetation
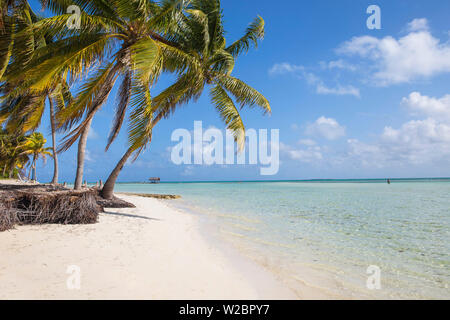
column 130, row 43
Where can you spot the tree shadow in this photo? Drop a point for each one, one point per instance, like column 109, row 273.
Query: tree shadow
column 130, row 216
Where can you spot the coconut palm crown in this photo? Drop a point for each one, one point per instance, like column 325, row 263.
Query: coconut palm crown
column 200, row 34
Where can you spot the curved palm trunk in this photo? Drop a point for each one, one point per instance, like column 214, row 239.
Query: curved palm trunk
column 29, row 171
column 108, row 188
column 81, row 155
column 55, row 155
column 99, row 100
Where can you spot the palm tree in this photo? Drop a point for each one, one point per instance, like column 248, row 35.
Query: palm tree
column 22, row 109
column 211, row 64
column 118, row 39
column 34, row 145
column 11, row 156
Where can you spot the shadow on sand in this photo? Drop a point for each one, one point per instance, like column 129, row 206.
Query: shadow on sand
column 130, row 216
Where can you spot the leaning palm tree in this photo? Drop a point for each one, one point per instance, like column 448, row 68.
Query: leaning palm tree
column 34, row 146
column 21, row 109
column 201, row 37
column 117, row 39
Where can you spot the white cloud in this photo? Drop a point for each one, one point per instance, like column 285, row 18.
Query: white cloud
column 188, row 171
column 418, row 134
column 422, row 141
column 416, row 55
column 338, row 64
column 307, row 142
column 87, row 156
column 313, row 80
column 438, row 108
column 284, row 68
column 418, row 25
column 311, row 154
column 339, row 90
column 415, row 142
column 92, row 134
column 327, row 128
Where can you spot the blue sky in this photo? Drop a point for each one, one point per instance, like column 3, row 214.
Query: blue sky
column 349, row 102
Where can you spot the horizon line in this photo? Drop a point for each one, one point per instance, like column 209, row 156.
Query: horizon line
column 287, row 180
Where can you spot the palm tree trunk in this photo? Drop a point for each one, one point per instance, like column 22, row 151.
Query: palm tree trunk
column 108, row 188
column 4, row 169
column 55, row 156
column 34, row 169
column 35, row 172
column 99, row 100
column 81, row 155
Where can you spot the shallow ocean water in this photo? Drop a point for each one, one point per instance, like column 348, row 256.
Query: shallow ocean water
column 335, row 230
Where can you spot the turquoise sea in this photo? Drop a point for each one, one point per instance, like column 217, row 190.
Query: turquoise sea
column 327, row 233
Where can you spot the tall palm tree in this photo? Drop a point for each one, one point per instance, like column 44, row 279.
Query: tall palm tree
column 34, row 145
column 11, row 156
column 117, row 39
column 21, row 108
column 201, row 36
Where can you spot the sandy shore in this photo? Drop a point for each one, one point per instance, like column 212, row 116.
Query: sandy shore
column 150, row 252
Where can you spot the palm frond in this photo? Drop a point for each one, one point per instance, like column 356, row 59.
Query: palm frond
column 123, row 99
column 229, row 114
column 146, row 60
column 140, row 120
column 244, row 94
column 253, row 33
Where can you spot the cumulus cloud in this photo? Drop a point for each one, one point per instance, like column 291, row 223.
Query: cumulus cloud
column 418, row 133
column 327, row 128
column 438, row 108
column 307, row 142
column 417, row 25
column 338, row 64
column 284, row 68
column 313, row 80
column 414, row 56
column 339, row 90
column 420, row 141
column 87, row 156
column 310, row 154
column 93, row 134
column 415, row 142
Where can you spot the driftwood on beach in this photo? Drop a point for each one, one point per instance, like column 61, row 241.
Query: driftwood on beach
column 40, row 204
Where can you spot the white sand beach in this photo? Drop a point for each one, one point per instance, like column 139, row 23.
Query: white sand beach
column 150, row 252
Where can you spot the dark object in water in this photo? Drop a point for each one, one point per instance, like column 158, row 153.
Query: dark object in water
column 155, row 180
